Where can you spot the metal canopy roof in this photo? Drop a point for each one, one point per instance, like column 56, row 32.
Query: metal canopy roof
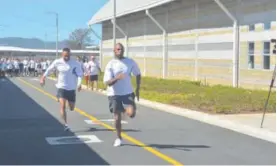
column 124, row 7
column 18, row 49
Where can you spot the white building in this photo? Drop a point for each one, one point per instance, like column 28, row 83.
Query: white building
column 194, row 39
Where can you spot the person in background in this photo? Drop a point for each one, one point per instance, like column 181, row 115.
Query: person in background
column 94, row 69
column 32, row 67
column 9, row 67
column 38, row 68
column 44, row 65
column 26, row 67
column 86, row 72
column 16, row 67
column 21, row 67
column 1, row 68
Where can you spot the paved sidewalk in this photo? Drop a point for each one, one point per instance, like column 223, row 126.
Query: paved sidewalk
column 254, row 120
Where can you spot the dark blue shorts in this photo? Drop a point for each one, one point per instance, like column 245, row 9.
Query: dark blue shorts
column 118, row 103
column 93, row 78
column 69, row 95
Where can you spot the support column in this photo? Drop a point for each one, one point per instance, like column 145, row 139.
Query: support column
column 236, row 54
column 235, row 42
column 196, row 66
column 144, row 47
column 101, row 54
column 165, row 52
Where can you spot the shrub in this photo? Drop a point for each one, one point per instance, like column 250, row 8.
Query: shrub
column 212, row 99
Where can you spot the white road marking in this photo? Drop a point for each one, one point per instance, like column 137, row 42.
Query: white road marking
column 34, row 79
column 80, row 139
column 104, row 120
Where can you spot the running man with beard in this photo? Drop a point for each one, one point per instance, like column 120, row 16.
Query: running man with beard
column 69, row 79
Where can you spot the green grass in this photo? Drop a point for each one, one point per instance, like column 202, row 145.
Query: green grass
column 210, row 99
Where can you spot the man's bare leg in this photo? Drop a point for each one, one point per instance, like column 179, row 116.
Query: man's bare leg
column 71, row 105
column 91, row 85
column 63, row 112
column 130, row 111
column 87, row 82
column 96, row 85
column 117, row 119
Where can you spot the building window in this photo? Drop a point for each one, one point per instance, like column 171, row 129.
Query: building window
column 266, row 47
column 251, row 57
column 251, row 64
column 252, row 27
column 267, row 26
column 251, row 47
column 266, row 60
column 266, row 56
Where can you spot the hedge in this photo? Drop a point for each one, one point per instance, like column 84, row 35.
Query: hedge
column 211, row 99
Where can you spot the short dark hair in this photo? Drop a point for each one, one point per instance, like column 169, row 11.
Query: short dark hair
column 121, row 45
column 66, row 50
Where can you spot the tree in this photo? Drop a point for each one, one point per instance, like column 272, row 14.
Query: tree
column 79, row 38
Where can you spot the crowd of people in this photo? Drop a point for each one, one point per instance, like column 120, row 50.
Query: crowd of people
column 16, row 67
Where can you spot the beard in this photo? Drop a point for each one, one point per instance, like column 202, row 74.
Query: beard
column 66, row 58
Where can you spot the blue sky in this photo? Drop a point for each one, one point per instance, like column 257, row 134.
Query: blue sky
column 28, row 18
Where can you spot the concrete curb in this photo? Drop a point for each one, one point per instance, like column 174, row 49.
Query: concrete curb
column 207, row 118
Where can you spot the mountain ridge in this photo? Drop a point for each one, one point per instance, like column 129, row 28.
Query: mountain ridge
column 33, row 43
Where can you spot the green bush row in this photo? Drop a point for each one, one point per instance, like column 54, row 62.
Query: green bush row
column 211, row 99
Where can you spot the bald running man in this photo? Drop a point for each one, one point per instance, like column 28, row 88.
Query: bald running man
column 121, row 96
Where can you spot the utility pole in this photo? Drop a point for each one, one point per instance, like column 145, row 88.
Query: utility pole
column 114, row 20
column 57, row 39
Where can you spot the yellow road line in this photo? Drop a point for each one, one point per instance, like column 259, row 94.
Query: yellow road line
column 124, row 135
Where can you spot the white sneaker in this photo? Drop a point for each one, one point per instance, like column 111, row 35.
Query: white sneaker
column 117, row 142
column 66, row 128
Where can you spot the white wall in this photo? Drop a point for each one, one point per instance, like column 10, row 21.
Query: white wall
column 180, row 18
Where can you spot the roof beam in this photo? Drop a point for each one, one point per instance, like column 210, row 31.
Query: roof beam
column 120, row 29
column 95, row 33
column 154, row 20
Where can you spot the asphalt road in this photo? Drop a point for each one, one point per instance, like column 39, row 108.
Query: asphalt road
column 29, row 118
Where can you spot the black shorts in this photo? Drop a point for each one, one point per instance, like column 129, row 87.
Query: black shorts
column 93, row 78
column 118, row 103
column 69, row 95
column 31, row 69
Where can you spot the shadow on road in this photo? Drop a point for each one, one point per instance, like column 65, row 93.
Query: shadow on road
column 177, row 147
column 24, row 126
column 98, row 129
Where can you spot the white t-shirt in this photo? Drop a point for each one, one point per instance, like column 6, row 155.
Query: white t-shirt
column 93, row 67
column 37, row 65
column 44, row 65
column 16, row 64
column 69, row 71
column 123, row 86
column 86, row 69
column 48, row 62
column 25, row 63
column 32, row 64
column 9, row 64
